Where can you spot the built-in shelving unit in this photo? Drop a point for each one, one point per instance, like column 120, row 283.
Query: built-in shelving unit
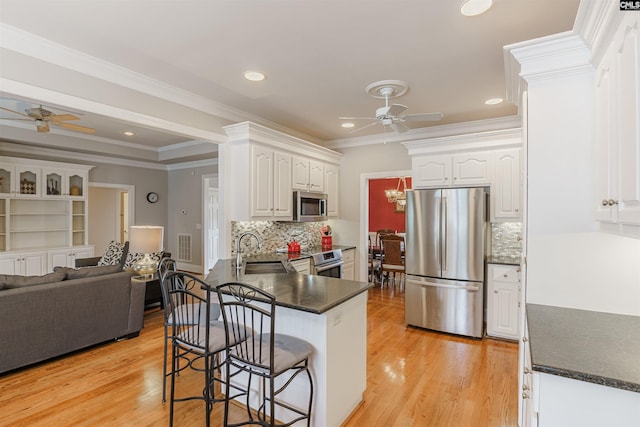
column 43, row 207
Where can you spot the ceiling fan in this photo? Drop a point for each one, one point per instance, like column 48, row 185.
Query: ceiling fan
column 391, row 115
column 43, row 118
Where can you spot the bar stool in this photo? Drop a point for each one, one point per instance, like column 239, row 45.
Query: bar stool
column 264, row 354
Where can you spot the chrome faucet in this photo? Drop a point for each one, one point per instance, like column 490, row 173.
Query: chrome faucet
column 238, row 248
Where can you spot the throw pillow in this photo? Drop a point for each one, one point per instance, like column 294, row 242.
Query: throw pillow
column 79, row 273
column 12, row 282
column 133, row 258
column 113, row 254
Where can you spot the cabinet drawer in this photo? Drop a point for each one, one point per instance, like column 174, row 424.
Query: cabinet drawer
column 348, row 255
column 505, row 274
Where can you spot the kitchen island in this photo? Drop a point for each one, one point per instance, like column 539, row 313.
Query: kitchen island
column 330, row 314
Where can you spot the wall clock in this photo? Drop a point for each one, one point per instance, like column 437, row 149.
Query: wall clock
column 152, row 197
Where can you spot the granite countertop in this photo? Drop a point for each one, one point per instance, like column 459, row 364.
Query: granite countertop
column 284, row 256
column 506, row 260
column 591, row 346
column 306, row 292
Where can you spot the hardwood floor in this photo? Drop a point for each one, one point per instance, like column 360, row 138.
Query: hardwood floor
column 414, row 378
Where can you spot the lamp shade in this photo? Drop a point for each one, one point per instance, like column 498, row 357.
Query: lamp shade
column 145, row 239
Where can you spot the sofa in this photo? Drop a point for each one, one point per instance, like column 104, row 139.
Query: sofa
column 67, row 310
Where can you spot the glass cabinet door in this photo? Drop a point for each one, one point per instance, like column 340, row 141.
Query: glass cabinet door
column 53, row 183
column 6, row 176
column 28, row 184
column 76, row 185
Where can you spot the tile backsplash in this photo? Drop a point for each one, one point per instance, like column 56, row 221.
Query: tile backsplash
column 506, row 239
column 275, row 235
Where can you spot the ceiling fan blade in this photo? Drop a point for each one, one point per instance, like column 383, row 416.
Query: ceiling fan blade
column 73, row 127
column 399, row 127
column 20, row 120
column 364, row 127
column 42, row 126
column 356, row 118
column 421, row 117
column 64, row 117
column 396, row 109
column 16, row 112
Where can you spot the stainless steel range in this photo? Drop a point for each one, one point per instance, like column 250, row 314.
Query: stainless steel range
column 328, row 263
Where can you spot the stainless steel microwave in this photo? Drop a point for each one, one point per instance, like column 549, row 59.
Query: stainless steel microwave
column 309, row 207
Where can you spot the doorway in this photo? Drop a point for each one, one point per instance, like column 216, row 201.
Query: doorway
column 110, row 213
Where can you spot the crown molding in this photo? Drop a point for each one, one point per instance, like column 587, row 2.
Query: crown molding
column 431, row 132
column 248, row 131
column 596, row 22
column 488, row 140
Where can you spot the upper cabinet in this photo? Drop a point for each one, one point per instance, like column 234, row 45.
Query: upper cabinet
column 19, row 180
column 275, row 165
column 452, row 170
column 618, row 127
column 485, row 159
column 506, row 188
column 308, row 175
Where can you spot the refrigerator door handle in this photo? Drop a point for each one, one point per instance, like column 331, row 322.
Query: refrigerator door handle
column 444, row 234
column 471, row 288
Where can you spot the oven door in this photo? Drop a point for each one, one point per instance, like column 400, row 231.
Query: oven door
column 332, row 269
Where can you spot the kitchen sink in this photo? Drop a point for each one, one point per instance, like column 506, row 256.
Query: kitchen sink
column 265, row 267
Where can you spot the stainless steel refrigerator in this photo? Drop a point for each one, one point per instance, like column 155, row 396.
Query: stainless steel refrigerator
column 444, row 257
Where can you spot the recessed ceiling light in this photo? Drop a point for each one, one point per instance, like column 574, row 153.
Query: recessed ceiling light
column 347, row 125
column 494, row 101
column 254, row 76
column 128, row 133
column 475, row 7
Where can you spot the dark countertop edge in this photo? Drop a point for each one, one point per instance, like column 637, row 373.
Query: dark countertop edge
column 570, row 373
column 328, row 306
column 503, row 260
column 581, row 376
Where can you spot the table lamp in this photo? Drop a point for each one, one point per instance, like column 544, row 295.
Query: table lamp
column 145, row 239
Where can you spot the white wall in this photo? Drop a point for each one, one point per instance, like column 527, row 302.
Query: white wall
column 569, row 262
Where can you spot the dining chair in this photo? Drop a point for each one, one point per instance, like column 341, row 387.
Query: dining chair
column 380, row 233
column 392, row 259
column 264, row 354
column 374, row 262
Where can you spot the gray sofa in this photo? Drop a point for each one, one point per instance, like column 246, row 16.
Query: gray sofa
column 74, row 309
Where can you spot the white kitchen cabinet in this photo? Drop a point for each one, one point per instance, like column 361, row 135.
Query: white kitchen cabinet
column 503, row 301
column 24, row 263
column 67, row 257
column 528, row 387
column 506, row 194
column 282, row 199
column 332, row 185
column 617, row 91
column 349, row 264
column 19, row 180
column 308, row 175
column 302, row 266
column 270, row 184
column 452, row 170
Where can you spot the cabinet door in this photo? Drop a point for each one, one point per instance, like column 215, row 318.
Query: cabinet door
column 300, row 179
column 627, row 55
column 606, row 158
column 60, row 258
column 283, row 200
column 34, row 264
column 7, row 179
column 262, row 182
column 28, row 182
column 471, row 169
column 348, row 268
column 332, row 175
column 506, row 191
column 431, row 171
column 76, row 184
column 9, row 264
column 503, row 300
column 316, row 176
column 302, row 266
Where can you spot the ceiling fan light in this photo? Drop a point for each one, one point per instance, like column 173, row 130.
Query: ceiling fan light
column 475, row 7
column 42, row 126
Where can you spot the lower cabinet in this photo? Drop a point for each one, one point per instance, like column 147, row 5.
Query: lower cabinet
column 37, row 263
column 349, row 264
column 302, row 266
column 24, row 264
column 503, row 301
column 67, row 257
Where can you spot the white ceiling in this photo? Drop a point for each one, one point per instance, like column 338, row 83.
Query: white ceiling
column 318, row 56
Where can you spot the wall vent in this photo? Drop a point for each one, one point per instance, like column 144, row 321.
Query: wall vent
column 184, row 247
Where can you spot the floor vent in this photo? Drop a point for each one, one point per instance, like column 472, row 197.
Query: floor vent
column 184, row 247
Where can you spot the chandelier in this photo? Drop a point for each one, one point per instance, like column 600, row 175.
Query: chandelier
column 399, row 193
